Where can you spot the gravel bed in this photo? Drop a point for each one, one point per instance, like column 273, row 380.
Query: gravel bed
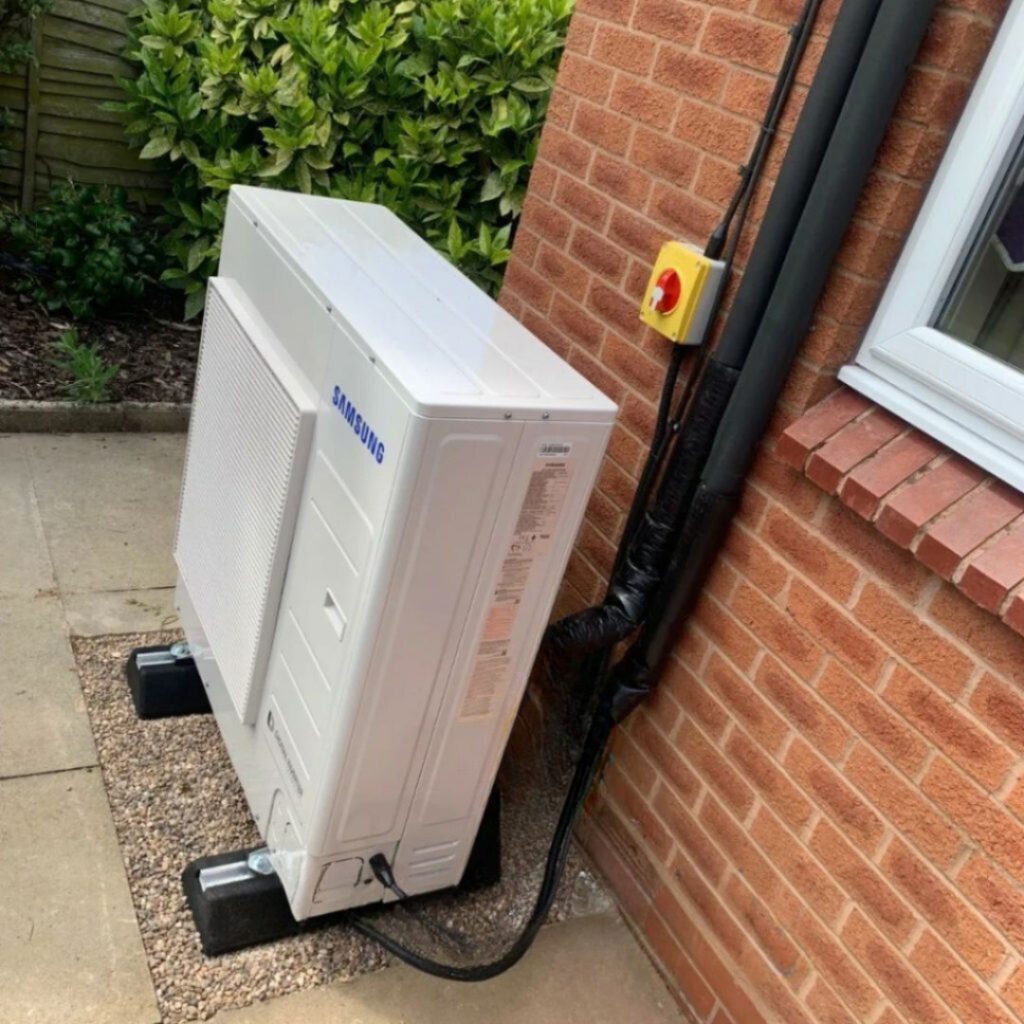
column 174, row 797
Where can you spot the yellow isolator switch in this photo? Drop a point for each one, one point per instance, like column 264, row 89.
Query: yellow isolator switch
column 680, row 293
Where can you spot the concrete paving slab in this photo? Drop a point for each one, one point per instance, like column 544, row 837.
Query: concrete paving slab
column 586, row 971
column 69, row 945
column 44, row 726
column 108, row 505
column 24, row 563
column 100, row 613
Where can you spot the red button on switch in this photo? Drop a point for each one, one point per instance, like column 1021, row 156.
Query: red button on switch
column 667, row 291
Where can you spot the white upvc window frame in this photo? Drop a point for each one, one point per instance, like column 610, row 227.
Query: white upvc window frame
column 965, row 398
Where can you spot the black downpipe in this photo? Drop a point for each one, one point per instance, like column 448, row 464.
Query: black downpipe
column 893, row 44
column 641, row 566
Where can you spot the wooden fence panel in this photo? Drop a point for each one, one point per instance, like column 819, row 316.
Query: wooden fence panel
column 59, row 127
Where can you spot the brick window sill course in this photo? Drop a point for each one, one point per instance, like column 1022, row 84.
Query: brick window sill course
column 961, row 523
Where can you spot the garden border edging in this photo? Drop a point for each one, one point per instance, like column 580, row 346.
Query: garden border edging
column 41, row 417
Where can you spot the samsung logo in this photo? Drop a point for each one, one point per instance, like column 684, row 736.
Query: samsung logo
column 373, row 444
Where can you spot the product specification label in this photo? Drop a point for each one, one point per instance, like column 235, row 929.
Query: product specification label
column 531, row 539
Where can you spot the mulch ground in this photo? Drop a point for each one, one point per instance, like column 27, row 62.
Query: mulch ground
column 156, row 355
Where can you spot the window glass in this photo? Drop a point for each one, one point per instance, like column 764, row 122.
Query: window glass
column 986, row 306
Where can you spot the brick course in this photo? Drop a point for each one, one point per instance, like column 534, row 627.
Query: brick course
column 820, row 816
column 960, row 523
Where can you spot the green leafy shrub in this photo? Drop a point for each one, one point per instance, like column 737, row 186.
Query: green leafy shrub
column 90, row 373
column 15, row 46
column 84, row 249
column 15, row 21
column 432, row 107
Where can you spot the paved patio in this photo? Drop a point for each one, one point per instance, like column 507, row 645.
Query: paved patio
column 88, row 523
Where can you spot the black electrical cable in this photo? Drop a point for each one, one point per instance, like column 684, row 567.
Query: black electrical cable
column 873, row 93
column 667, row 424
column 722, row 244
column 558, row 852
column 739, row 206
column 602, row 720
column 382, row 871
column 655, row 454
column 650, row 533
column 719, row 367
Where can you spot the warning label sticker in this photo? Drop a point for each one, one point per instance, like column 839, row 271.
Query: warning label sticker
column 531, row 538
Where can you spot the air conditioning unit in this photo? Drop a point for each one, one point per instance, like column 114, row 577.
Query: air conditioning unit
column 384, row 478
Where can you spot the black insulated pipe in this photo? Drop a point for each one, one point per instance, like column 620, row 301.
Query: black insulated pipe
column 895, row 38
column 640, row 566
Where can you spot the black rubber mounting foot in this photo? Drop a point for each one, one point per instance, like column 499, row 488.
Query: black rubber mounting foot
column 247, row 911
column 163, row 686
column 484, row 865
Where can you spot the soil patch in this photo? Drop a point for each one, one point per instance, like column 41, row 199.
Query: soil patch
column 156, row 355
column 174, row 797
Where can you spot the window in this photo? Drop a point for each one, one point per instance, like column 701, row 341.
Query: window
column 945, row 350
column 985, row 307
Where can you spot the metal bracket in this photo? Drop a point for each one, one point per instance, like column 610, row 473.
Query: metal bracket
column 255, row 864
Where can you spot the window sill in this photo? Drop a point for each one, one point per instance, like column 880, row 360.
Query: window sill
column 954, row 518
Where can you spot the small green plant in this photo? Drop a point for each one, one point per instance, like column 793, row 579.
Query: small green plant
column 90, row 373
column 84, row 249
column 431, row 107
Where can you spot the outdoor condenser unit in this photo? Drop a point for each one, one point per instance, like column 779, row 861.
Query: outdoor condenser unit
column 384, row 477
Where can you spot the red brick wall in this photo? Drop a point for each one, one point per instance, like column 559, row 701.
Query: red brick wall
column 820, row 816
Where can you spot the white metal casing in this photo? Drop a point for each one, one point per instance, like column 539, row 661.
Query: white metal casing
column 382, row 602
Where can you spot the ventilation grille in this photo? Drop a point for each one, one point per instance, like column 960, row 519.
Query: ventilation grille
column 248, row 444
column 432, row 860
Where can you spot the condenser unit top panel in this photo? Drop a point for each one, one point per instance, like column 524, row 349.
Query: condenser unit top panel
column 445, row 345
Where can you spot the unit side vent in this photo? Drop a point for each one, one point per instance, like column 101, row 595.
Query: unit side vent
column 248, row 444
column 433, row 859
